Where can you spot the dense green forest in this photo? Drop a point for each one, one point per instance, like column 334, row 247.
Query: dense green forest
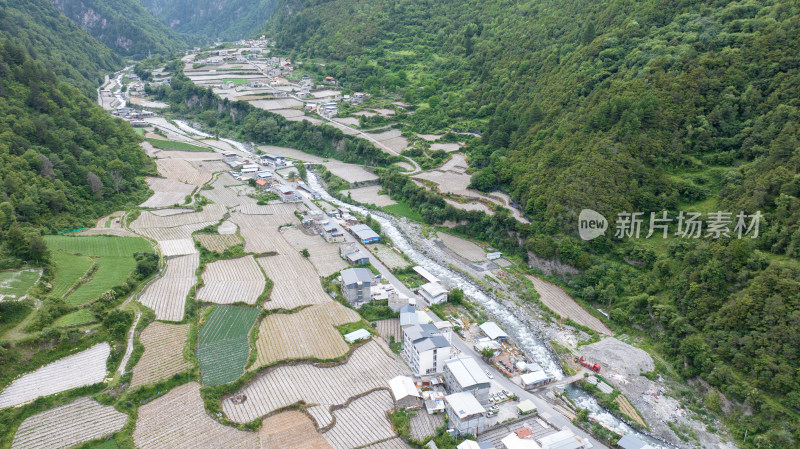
column 206, row 21
column 615, row 106
column 65, row 161
column 125, row 26
column 51, row 38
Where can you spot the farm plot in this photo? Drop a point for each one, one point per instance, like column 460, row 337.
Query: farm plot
column 214, row 166
column 287, row 292
column 370, row 366
column 163, row 353
column 350, row 172
column 388, row 256
column 308, row 333
column 177, row 247
column 76, row 318
column 217, row 242
column 389, row 328
column 269, row 105
column 222, row 191
column 171, row 218
column 69, row 268
column 280, row 213
column 394, row 443
column 470, row 205
column 187, row 425
column 72, row 424
column 323, row 255
column 448, row 147
column 259, row 237
column 370, row 195
column 290, row 430
column 348, row 121
column 111, row 272
column 84, row 368
column 227, row 227
column 232, row 280
column 15, row 283
column 424, row 425
column 167, row 192
column 183, row 171
column 223, row 344
column 98, row 246
column 362, row 422
column 167, row 294
column 290, row 153
column 555, row 298
column 463, row 247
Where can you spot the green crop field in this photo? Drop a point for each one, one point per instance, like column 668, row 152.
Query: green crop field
column 223, row 346
column 76, row 318
column 69, row 268
column 173, row 145
column 73, row 255
column 236, row 81
column 14, row 284
column 110, row 444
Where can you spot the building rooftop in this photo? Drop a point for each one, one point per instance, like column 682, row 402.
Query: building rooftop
column 357, row 335
column 408, row 316
column 286, row 190
column 356, row 255
column 433, row 290
column 561, row 440
column 466, row 371
column 631, row 442
column 352, row 276
column 464, row 404
column 425, row 274
column 526, row 406
column 492, row 330
column 363, row 232
column 403, row 386
column 533, row 377
column 435, row 342
column 512, row 441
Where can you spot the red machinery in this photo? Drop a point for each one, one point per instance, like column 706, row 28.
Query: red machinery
column 582, row 361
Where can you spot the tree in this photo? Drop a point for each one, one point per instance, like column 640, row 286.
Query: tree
column 305, row 253
column 302, row 171
column 487, row 353
column 456, row 296
column 95, row 184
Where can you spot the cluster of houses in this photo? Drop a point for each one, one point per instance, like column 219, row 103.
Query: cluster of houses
column 134, row 116
column 433, row 291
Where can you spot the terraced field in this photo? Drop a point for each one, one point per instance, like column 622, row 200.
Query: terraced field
column 555, row 298
column 182, row 171
column 323, row 255
column 290, row 430
column 84, row 368
column 362, row 422
column 223, row 345
column 287, row 293
column 167, row 192
column 370, row 366
column 77, row 318
column 167, row 294
column 72, row 424
column 163, row 353
column 308, row 333
column 15, row 283
column 178, row 420
column 218, row 242
column 232, row 280
column 113, row 256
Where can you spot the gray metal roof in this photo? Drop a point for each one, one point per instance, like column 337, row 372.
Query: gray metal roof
column 631, row 442
column 363, row 232
column 353, row 276
column 466, row 371
column 464, row 404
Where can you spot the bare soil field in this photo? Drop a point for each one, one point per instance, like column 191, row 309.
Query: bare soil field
column 370, row 366
column 258, row 236
column 349, row 121
column 394, row 443
column 163, row 353
column 350, row 172
column 362, row 422
column 232, row 280
column 397, row 144
column 287, row 293
column 626, row 408
column 389, row 328
column 424, row 425
column 182, row 170
column 227, row 228
column 179, row 420
column 312, row 120
column 619, row 357
column 463, row 247
column 555, row 298
column 69, row 425
column 191, row 156
column 430, row 137
column 158, row 219
column 366, row 113
column 323, row 255
column 217, row 242
column 290, row 153
column 388, row 256
column 290, row 430
column 178, row 247
column 87, row 367
column 148, row 104
column 370, row 195
column 471, row 205
column 405, row 166
column 224, row 192
column 308, row 333
column 288, row 113
column 167, row 192
column 276, row 214
column 282, row 103
column 448, row 147
column 167, row 294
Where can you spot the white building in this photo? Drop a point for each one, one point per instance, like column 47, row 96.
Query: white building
column 466, row 414
column 512, row 441
column 562, row 440
column 286, row 193
column 425, row 349
column 356, row 335
column 433, row 293
column 405, row 393
column 464, row 374
column 493, row 331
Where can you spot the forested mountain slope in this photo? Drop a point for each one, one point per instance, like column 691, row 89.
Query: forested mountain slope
column 50, row 37
column 63, row 160
column 207, row 20
column 125, row 26
column 617, row 106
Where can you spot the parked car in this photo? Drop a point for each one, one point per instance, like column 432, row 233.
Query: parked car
column 489, row 374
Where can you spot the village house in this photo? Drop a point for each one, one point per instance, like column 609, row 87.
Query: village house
column 356, row 285
column 286, row 193
column 406, row 395
column 424, row 348
column 464, row 374
column 332, row 233
column 364, row 233
column 465, row 413
column 433, row 293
